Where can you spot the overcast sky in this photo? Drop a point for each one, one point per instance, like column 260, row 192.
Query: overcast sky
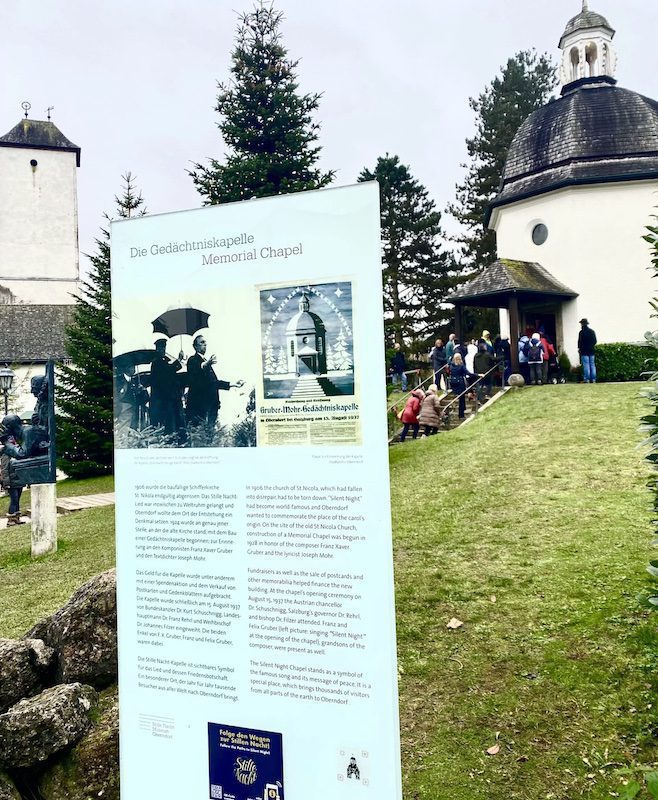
column 133, row 82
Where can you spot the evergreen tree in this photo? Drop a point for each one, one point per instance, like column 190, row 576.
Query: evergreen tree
column 418, row 273
column 84, row 389
column 331, row 364
column 524, row 85
column 281, row 362
column 269, row 367
column 341, row 357
column 265, row 123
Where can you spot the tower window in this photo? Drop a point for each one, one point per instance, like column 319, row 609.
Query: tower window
column 539, row 233
column 292, row 347
column 591, row 57
column 33, row 163
column 574, row 58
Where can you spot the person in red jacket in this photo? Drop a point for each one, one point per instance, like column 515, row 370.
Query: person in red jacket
column 409, row 416
column 549, row 351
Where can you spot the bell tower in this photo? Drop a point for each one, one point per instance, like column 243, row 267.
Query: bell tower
column 39, row 258
column 587, row 50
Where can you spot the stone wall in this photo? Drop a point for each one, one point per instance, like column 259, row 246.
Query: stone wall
column 59, row 713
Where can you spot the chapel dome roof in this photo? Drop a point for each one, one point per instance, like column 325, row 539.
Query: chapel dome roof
column 596, row 133
column 586, row 19
column 305, row 322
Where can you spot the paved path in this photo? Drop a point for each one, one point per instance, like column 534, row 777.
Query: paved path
column 66, row 505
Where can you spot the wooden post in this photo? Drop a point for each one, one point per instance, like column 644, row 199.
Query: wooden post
column 514, row 331
column 458, row 322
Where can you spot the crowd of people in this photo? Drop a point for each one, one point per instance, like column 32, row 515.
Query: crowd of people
column 456, row 366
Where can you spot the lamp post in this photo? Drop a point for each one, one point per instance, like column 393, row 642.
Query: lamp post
column 6, row 379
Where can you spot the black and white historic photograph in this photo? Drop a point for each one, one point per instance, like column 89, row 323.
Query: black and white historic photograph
column 308, row 350
column 181, row 375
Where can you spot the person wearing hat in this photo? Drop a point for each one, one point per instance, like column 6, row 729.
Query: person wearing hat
column 586, row 347
column 166, row 400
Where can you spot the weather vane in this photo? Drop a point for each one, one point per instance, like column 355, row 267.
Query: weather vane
column 48, row 110
column 26, row 107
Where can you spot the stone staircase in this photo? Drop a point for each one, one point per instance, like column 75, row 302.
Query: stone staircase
column 310, row 387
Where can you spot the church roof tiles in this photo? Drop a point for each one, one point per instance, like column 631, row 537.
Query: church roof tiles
column 508, row 276
column 39, row 134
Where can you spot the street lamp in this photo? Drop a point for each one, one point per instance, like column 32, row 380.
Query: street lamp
column 6, row 379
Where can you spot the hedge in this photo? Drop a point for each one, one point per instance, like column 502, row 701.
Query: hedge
column 621, row 361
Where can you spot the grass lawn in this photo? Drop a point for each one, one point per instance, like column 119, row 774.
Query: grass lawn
column 69, row 487
column 30, row 590
column 530, row 525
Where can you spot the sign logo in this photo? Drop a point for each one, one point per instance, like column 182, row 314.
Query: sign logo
column 245, row 771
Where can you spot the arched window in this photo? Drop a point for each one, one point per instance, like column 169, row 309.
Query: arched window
column 605, row 60
column 574, row 58
column 591, row 58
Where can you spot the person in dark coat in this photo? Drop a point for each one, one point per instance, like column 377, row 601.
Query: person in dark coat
column 166, row 401
column 203, row 402
column 458, row 378
column 439, row 361
column 586, row 348
column 399, row 366
column 482, row 363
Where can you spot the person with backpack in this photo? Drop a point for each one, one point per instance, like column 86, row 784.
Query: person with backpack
column 458, row 377
column 524, row 346
column 483, row 363
column 535, row 359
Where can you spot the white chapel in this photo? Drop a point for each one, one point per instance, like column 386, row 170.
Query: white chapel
column 579, row 187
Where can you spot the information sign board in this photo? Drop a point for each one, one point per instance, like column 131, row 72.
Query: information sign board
column 257, row 656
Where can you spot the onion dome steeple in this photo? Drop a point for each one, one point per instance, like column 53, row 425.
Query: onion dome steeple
column 587, row 52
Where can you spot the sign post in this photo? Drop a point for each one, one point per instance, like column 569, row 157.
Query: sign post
column 254, row 560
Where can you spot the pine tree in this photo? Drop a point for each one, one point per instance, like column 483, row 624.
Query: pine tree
column 269, row 366
column 84, row 389
column 524, row 85
column 341, row 357
column 331, row 364
column 265, row 123
column 281, row 362
column 418, row 273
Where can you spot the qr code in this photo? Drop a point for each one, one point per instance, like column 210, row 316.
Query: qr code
column 216, row 792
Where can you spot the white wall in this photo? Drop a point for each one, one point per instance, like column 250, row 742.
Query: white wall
column 595, row 247
column 38, row 224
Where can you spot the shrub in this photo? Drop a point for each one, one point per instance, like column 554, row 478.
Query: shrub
column 621, row 361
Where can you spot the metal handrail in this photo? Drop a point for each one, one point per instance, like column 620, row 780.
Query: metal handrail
column 420, row 385
column 469, row 388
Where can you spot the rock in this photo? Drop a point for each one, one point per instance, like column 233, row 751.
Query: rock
column 7, row 789
column 84, row 634
column 516, row 380
column 37, row 727
column 25, row 669
column 91, row 768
